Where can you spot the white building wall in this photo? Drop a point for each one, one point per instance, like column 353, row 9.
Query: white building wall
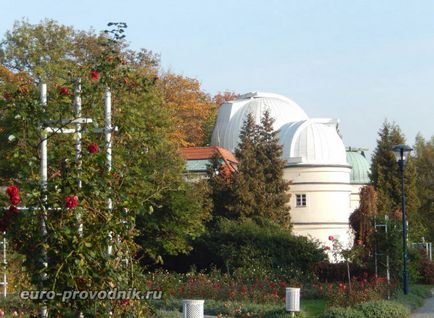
column 328, row 202
column 355, row 195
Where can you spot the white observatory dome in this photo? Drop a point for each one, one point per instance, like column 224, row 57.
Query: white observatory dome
column 313, row 141
column 232, row 115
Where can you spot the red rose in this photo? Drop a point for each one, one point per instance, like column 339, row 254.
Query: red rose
column 94, row 75
column 93, row 147
column 71, row 201
column 64, row 91
column 331, row 238
column 15, row 199
column 12, row 190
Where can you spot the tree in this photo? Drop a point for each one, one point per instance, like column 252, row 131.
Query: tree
column 259, row 190
column 424, row 162
column 248, row 190
column 49, row 50
column 192, row 108
column 270, row 158
column 150, row 198
column 361, row 219
column 226, row 96
column 386, row 179
column 220, row 187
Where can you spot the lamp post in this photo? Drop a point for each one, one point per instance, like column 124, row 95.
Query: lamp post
column 401, row 153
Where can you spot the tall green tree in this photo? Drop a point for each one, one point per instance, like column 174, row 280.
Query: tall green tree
column 259, row 190
column 386, row 179
column 248, row 190
column 424, row 162
column 269, row 157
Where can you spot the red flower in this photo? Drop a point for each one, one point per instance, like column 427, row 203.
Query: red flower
column 94, row 75
column 15, row 199
column 12, row 191
column 326, row 248
column 125, row 301
column 64, row 91
column 93, row 147
column 71, row 201
column 331, row 238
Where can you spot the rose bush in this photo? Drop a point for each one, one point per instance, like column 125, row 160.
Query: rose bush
column 56, row 255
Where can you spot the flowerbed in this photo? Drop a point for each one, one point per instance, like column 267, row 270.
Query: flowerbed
column 218, row 286
column 244, row 287
column 343, row 294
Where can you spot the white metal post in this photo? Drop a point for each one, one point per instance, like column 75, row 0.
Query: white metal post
column 5, row 267
column 108, row 148
column 43, row 185
column 77, row 137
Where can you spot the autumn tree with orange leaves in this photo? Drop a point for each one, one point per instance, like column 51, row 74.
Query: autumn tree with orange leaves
column 193, row 108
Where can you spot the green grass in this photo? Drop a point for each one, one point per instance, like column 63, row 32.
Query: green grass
column 313, row 308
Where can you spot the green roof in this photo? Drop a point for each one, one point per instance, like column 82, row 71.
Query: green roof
column 197, row 165
column 360, row 166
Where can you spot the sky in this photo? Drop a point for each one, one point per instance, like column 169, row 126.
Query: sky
column 359, row 61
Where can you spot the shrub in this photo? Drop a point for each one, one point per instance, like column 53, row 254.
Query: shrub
column 426, row 268
column 342, row 312
column 256, row 249
column 362, row 290
column 383, row 309
column 415, row 298
column 217, row 286
column 331, row 272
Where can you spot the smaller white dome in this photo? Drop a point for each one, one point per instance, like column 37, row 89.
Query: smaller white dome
column 313, row 141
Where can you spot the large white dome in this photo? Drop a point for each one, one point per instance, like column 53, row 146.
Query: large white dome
column 232, row 115
column 313, row 141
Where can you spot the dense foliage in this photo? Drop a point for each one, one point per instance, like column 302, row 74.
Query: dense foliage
column 257, row 189
column 424, row 162
column 150, row 198
column 260, row 250
column 385, row 177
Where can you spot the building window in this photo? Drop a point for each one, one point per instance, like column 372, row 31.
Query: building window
column 300, row 200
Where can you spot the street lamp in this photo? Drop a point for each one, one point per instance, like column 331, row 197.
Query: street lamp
column 402, row 153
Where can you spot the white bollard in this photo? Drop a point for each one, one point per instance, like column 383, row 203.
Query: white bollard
column 192, row 308
column 292, row 303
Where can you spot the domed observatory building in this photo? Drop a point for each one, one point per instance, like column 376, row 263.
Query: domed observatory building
column 316, row 160
column 359, row 177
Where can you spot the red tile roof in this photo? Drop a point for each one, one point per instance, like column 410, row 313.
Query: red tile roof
column 201, row 153
column 196, row 153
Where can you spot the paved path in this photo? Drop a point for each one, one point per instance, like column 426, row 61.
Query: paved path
column 427, row 310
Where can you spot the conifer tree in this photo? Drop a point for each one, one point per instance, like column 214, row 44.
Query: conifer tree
column 248, row 184
column 259, row 190
column 424, row 162
column 269, row 153
column 386, row 179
